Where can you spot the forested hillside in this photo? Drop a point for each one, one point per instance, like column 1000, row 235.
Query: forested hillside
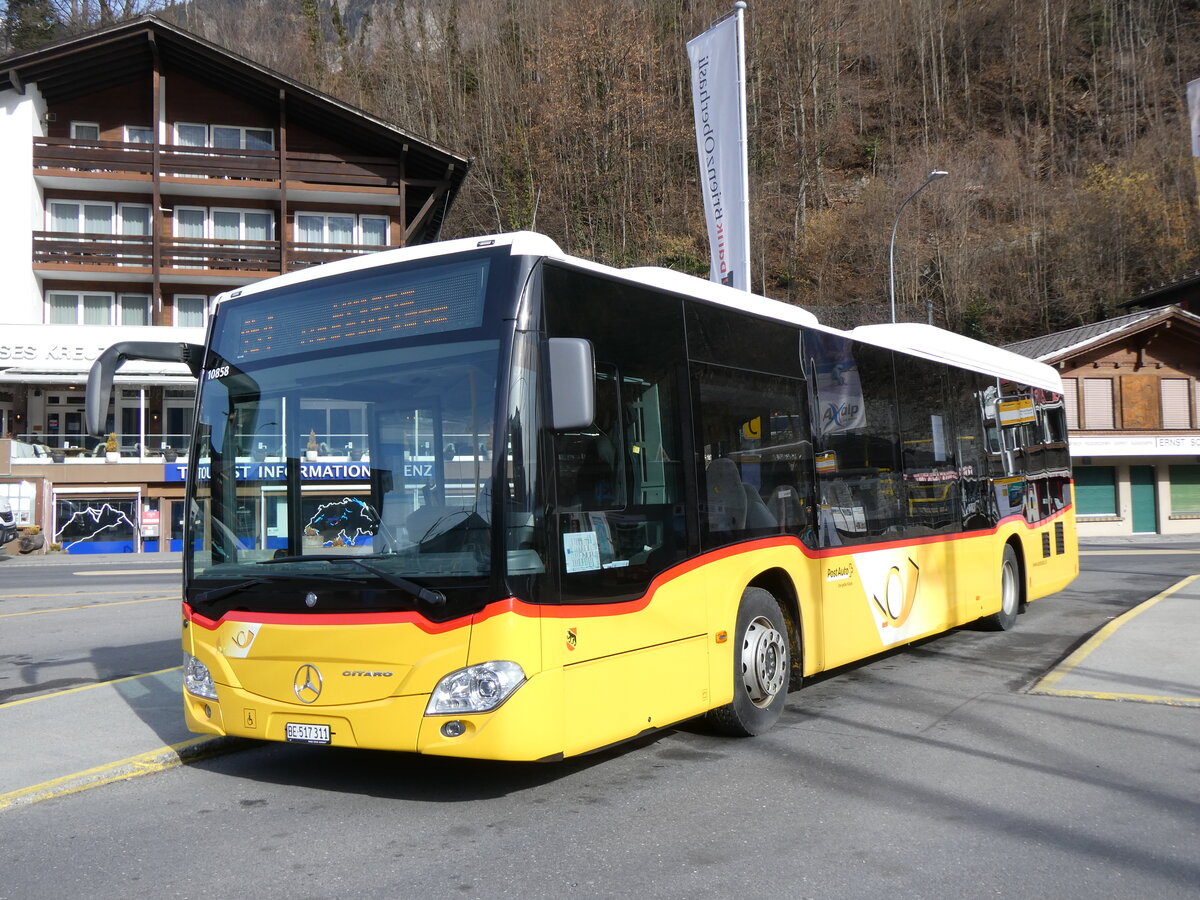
column 1063, row 125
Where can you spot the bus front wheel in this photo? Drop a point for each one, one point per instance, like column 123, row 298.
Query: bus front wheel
column 1010, row 593
column 761, row 667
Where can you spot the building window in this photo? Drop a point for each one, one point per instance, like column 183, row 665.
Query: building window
column 242, row 225
column 80, row 217
column 339, row 229
column 75, row 217
column 1071, row 402
column 1096, row 490
column 1176, row 402
column 85, row 131
column 139, row 134
column 71, row 308
column 1185, row 490
column 1098, row 404
column 191, row 135
column 232, row 137
column 133, row 309
column 190, row 311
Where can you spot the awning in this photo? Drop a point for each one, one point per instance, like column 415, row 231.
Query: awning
column 37, row 377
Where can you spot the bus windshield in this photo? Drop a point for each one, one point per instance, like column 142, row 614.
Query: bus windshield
column 360, row 470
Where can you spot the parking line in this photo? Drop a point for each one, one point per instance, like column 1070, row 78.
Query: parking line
column 94, row 572
column 19, row 595
column 157, row 760
column 38, row 612
column 1047, row 685
column 1137, row 552
column 87, row 687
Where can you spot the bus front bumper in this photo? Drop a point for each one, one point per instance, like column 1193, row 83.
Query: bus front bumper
column 518, row 730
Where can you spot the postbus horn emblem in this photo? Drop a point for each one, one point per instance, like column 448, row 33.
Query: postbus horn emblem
column 307, row 683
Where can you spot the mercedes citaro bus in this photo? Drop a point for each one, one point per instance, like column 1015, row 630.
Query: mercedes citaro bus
column 481, row 498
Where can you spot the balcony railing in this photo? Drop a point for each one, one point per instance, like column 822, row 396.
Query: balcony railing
column 77, row 155
column 87, row 250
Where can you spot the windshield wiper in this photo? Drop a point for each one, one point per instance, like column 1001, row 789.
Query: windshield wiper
column 436, row 598
column 214, row 594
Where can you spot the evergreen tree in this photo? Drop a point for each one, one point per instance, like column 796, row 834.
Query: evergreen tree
column 29, row 24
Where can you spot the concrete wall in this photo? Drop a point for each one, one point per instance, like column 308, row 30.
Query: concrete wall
column 22, row 118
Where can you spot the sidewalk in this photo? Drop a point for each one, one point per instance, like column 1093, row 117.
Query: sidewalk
column 1146, row 655
column 166, row 559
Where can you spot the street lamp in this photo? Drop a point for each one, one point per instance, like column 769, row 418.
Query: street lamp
column 930, row 179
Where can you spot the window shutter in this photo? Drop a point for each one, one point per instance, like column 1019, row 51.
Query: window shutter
column 1071, row 402
column 1098, row 403
column 1176, row 408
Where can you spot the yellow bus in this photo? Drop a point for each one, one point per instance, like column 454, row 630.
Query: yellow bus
column 483, row 499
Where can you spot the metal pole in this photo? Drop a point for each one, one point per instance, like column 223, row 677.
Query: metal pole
column 743, row 147
column 930, row 179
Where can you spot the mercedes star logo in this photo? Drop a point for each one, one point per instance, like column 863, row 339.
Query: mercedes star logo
column 307, row 683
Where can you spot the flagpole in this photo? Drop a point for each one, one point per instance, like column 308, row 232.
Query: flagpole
column 740, row 9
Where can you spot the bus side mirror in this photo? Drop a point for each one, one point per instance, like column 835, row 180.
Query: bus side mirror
column 100, row 378
column 572, row 383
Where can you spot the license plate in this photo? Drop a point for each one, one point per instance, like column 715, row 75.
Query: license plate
column 305, row 733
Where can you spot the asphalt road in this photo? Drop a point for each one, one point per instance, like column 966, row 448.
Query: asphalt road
column 927, row 772
column 84, row 620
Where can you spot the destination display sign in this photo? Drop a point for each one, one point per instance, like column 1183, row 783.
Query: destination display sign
column 348, row 312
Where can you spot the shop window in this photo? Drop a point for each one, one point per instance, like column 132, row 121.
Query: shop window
column 1185, row 490
column 96, row 524
column 1096, row 490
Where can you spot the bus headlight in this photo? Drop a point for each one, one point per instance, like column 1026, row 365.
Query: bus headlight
column 197, row 679
column 475, row 689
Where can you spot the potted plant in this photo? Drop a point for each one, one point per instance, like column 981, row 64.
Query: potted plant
column 170, row 454
column 112, row 452
column 57, row 455
column 313, row 447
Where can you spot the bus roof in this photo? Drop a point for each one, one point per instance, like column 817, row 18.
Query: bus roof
column 925, row 341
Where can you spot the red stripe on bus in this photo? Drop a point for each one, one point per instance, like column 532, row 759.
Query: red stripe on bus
column 516, row 606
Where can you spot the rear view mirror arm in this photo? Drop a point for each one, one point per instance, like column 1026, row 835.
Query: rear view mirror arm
column 100, row 378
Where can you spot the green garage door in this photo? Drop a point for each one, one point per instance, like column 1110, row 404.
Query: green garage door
column 1096, row 490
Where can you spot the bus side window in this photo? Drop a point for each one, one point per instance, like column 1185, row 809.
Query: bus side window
column 756, row 456
column 860, row 493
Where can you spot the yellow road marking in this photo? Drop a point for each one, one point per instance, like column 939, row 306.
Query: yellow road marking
column 87, row 687
column 174, row 571
column 38, row 612
column 1047, row 684
column 143, row 764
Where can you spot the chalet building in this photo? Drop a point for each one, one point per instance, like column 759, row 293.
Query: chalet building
column 1132, row 392
column 145, row 170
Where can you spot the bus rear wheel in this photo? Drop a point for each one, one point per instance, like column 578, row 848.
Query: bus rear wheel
column 1010, row 593
column 761, row 667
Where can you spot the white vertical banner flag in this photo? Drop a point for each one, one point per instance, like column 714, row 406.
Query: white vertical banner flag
column 719, row 104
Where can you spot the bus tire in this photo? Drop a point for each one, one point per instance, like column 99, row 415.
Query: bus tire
column 1010, row 593
column 761, row 667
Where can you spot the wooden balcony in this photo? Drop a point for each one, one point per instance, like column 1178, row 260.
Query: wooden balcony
column 70, row 155
column 107, row 251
